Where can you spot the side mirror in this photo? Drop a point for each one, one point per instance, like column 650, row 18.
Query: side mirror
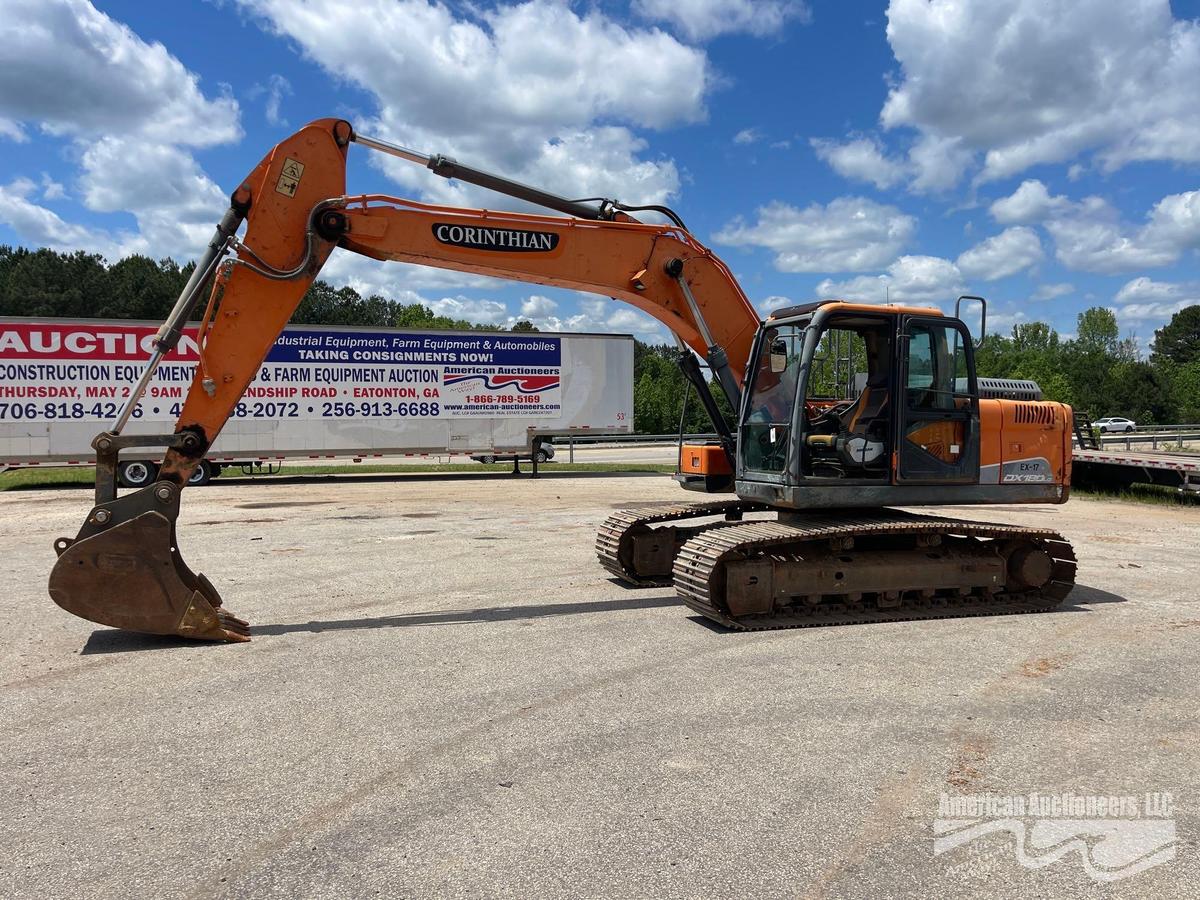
column 982, row 316
column 778, row 356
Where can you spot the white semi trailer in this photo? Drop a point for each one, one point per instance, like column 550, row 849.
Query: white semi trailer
column 322, row 393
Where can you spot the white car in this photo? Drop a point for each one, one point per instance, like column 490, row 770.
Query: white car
column 1115, row 423
column 545, row 453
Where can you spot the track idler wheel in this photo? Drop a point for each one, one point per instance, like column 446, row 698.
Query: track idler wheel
column 124, row 570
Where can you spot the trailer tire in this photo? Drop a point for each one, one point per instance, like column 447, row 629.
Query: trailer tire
column 544, row 454
column 136, row 473
column 201, row 475
column 486, row 459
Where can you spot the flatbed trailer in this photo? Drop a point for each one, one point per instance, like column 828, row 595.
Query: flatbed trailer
column 1112, row 468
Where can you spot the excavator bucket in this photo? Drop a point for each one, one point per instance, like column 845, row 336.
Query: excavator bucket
column 124, row 570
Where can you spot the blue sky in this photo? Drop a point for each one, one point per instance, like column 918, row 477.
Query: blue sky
column 1043, row 153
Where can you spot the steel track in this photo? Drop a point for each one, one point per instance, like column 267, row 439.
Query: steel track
column 699, row 569
column 614, row 539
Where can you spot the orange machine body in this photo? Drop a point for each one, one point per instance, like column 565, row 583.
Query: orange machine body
column 1023, row 441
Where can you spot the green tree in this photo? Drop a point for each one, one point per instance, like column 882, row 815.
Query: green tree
column 1142, row 393
column 47, row 283
column 659, row 389
column 1097, row 331
column 140, row 288
column 1179, row 340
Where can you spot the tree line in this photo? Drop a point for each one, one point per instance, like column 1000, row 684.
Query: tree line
column 82, row 285
column 1095, row 371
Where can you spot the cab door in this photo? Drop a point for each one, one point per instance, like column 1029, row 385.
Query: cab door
column 937, row 439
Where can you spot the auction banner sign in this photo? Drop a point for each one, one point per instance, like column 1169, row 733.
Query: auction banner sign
column 86, row 371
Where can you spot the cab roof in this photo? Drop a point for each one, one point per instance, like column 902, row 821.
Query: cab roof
column 892, row 309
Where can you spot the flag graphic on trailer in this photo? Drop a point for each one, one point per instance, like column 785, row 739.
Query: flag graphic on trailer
column 525, row 384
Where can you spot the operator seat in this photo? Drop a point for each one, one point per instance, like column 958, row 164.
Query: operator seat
column 870, row 413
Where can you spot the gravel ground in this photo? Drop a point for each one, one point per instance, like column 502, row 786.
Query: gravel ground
column 445, row 696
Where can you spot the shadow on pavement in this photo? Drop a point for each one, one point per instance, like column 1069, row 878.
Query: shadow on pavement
column 110, row 640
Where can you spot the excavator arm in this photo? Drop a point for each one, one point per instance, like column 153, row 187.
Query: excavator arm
column 124, row 568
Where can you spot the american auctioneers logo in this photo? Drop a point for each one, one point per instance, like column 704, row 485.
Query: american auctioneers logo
column 1115, row 837
column 522, row 384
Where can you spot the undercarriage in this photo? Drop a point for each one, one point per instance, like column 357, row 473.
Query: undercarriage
column 835, row 567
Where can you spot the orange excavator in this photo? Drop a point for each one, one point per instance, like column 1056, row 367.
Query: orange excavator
column 843, row 411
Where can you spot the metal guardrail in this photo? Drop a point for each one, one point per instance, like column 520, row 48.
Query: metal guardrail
column 620, row 440
column 1150, row 428
column 1153, row 438
column 631, row 438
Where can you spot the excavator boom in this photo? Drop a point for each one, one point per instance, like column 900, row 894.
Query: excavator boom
column 124, row 567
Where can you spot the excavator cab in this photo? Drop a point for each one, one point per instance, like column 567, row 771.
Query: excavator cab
column 846, row 396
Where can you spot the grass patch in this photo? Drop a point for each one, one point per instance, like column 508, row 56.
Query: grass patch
column 85, row 476
column 38, row 477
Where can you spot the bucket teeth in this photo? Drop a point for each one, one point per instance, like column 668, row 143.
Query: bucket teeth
column 204, row 622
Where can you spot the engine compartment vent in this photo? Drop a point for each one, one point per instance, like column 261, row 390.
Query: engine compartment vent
column 1034, row 414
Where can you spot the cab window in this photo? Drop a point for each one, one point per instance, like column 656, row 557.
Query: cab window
column 766, row 433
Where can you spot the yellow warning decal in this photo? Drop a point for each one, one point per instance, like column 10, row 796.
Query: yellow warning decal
column 289, row 178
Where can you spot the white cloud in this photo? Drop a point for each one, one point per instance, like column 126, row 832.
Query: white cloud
column 910, row 279
column 74, row 71
column 45, row 228
column 369, row 276
column 938, row 163
column 13, row 131
column 276, row 89
column 933, row 164
column 1053, row 291
column 128, row 107
column 1143, row 289
column 596, row 314
column 478, row 311
column 537, row 91
column 849, row 235
column 535, row 306
column 1041, row 81
column 1142, row 299
column 176, row 205
column 1091, row 237
column 1027, row 205
column 51, row 189
column 700, row 20
column 747, row 136
column 1141, row 312
column 861, row 159
column 772, row 303
column 1007, row 253
column 1002, row 322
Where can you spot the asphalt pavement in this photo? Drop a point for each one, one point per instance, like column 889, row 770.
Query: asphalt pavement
column 445, row 696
